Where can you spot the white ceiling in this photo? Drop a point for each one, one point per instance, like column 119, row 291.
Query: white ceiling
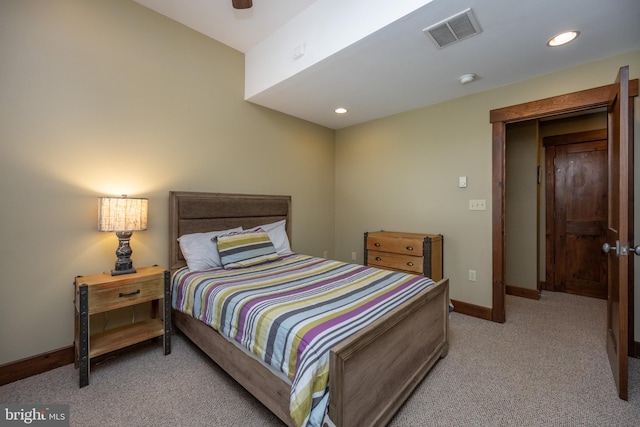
column 396, row 67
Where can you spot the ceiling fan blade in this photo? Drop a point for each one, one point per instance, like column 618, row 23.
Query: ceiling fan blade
column 242, row 4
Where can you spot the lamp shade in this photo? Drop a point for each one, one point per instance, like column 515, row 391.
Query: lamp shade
column 122, row 214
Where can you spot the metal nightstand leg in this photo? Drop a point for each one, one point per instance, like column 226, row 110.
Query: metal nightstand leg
column 167, row 313
column 83, row 325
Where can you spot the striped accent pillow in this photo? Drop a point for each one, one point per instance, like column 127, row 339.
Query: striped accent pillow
column 243, row 249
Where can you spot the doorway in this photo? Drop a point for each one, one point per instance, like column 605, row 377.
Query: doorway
column 556, row 246
column 577, row 102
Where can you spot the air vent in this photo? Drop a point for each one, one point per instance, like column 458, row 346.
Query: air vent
column 453, row 29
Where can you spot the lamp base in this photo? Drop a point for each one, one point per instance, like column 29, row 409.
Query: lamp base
column 123, row 263
column 119, row 272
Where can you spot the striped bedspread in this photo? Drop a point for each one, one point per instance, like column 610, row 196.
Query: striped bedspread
column 291, row 312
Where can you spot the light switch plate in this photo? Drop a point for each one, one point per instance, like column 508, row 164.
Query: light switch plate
column 478, row 205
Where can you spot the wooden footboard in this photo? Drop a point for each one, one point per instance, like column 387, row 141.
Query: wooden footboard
column 373, row 372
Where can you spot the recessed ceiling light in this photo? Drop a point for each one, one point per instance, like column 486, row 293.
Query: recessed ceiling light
column 467, row 78
column 563, row 38
column 341, row 110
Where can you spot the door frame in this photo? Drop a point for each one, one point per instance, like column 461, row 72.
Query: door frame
column 580, row 101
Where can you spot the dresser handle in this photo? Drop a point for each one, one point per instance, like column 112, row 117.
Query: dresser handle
column 410, row 264
column 377, row 245
column 409, row 248
column 378, row 258
column 129, row 294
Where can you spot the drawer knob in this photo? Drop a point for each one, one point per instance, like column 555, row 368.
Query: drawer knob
column 409, row 248
column 122, row 294
column 378, row 258
column 410, row 264
column 377, row 245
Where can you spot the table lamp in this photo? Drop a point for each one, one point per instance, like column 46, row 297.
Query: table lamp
column 123, row 215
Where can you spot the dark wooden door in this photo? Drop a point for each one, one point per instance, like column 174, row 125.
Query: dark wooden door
column 577, row 213
column 618, row 231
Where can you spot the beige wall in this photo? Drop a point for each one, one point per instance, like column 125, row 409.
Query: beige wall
column 401, row 173
column 107, row 97
column 521, row 204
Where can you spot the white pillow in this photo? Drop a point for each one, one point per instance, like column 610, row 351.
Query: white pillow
column 278, row 235
column 200, row 252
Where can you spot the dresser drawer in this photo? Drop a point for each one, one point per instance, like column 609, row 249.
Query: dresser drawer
column 396, row 261
column 399, row 245
column 109, row 297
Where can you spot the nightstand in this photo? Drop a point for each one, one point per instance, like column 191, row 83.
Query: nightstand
column 99, row 293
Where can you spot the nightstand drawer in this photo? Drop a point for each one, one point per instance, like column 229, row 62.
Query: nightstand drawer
column 108, row 297
column 400, row 245
column 396, row 261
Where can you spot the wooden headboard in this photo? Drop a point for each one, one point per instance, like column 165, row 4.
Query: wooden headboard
column 195, row 212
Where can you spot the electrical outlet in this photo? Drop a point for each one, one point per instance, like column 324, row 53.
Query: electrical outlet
column 462, row 183
column 478, row 205
column 325, row 254
column 472, row 275
column 353, row 256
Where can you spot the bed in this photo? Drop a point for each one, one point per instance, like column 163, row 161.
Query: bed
column 371, row 372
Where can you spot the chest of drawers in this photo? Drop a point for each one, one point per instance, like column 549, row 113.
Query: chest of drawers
column 414, row 253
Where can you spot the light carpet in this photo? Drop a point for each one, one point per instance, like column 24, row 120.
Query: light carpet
column 546, row 366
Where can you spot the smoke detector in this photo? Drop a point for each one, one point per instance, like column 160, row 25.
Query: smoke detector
column 453, row 29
